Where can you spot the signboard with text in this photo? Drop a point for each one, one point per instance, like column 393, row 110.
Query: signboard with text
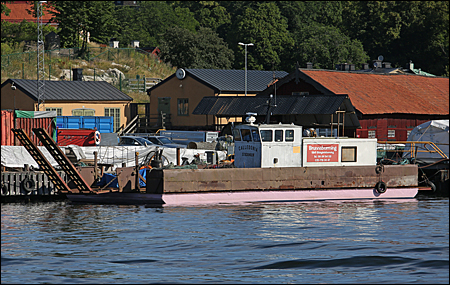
column 322, row 152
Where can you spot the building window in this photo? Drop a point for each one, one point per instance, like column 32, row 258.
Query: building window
column 115, row 113
column 183, row 106
column 300, row 93
column 372, row 134
column 348, row 154
column 391, row 133
column 58, row 110
column 289, row 135
column 83, row 112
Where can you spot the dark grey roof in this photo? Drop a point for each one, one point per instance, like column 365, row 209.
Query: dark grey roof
column 225, row 80
column 71, row 90
column 285, row 105
column 234, row 80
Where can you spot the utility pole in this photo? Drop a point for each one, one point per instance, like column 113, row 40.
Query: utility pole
column 242, row 44
column 40, row 58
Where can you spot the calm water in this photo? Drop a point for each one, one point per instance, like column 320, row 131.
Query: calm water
column 402, row 241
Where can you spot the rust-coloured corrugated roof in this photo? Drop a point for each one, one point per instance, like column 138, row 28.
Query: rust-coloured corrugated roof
column 387, row 93
column 19, row 12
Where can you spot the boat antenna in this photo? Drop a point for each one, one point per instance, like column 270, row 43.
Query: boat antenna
column 269, row 109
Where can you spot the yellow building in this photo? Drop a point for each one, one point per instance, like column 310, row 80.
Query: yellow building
column 173, row 100
column 68, row 98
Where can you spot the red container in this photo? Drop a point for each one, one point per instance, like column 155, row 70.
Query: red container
column 6, row 126
column 81, row 137
column 9, row 122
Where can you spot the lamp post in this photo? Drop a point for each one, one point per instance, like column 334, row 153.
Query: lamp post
column 242, row 44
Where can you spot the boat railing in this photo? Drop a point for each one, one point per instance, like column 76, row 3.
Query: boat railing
column 414, row 149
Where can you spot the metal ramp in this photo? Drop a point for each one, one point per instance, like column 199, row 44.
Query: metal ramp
column 43, row 163
column 62, row 160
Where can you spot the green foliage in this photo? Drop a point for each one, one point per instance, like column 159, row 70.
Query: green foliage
column 283, row 32
column 77, row 19
column 15, row 33
column 402, row 31
column 5, row 10
column 267, row 30
column 183, row 48
column 150, row 21
column 325, row 47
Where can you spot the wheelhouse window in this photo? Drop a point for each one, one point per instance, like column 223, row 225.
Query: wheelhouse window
column 255, row 136
column 278, row 135
column 266, row 135
column 246, row 135
column 372, row 134
column 348, row 154
column 237, row 135
column 289, row 135
column 183, row 106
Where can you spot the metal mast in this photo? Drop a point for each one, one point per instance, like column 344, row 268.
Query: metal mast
column 40, row 58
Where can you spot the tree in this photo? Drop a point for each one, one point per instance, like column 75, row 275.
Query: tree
column 209, row 14
column 325, row 47
column 5, row 9
column 402, row 31
column 77, row 19
column 205, row 49
column 267, row 30
column 148, row 22
column 15, row 33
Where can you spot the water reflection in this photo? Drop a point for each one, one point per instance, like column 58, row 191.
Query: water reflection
column 319, row 242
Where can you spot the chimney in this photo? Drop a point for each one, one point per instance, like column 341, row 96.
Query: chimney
column 410, row 65
column 134, row 44
column 113, row 43
column 77, row 74
column 386, row 65
column 352, row 67
column 365, row 66
column 309, row 65
column 376, row 64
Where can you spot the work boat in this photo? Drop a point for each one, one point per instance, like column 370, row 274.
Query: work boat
column 276, row 163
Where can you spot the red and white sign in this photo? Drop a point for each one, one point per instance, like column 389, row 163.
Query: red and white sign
column 322, row 152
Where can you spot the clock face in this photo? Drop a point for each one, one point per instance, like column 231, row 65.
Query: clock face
column 180, row 73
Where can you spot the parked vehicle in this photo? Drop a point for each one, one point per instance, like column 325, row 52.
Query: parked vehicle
column 164, row 141
column 134, row 141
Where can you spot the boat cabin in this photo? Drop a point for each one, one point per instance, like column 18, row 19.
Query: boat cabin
column 283, row 145
column 268, row 145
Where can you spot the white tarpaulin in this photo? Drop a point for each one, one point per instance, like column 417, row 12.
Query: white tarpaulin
column 437, row 132
column 17, row 156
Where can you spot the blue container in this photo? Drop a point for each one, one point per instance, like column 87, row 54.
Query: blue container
column 104, row 124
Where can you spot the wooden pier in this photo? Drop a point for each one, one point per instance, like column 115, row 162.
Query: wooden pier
column 29, row 185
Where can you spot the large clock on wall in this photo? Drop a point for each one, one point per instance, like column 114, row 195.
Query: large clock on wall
column 180, row 73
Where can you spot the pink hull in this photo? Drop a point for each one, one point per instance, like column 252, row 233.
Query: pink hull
column 239, row 197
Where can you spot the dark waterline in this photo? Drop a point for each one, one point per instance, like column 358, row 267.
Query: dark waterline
column 399, row 241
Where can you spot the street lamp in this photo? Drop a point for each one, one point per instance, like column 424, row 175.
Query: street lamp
column 242, row 44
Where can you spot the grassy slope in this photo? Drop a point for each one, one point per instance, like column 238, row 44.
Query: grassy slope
column 129, row 62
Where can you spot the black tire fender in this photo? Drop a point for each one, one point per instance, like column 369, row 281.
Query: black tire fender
column 378, row 169
column 28, row 184
column 381, row 187
column 4, row 189
column 431, row 184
